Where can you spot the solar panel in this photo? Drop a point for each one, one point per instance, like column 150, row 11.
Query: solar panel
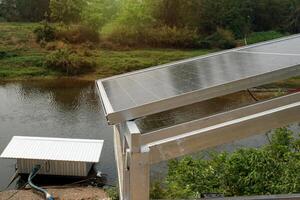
column 161, row 88
column 199, row 110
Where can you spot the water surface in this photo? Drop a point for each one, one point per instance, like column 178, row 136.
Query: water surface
column 53, row 108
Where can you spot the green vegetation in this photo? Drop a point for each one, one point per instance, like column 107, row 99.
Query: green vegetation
column 263, row 36
column 68, row 62
column 22, row 57
column 120, row 36
column 45, row 33
column 273, row 169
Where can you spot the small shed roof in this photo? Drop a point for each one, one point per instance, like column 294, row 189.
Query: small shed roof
column 59, row 149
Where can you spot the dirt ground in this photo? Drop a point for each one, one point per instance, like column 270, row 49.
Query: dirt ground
column 76, row 193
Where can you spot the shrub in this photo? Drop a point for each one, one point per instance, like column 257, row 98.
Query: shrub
column 78, row 34
column 263, row 36
column 45, row 33
column 273, row 169
column 112, row 192
column 223, row 39
column 51, row 46
column 166, row 36
column 125, row 36
column 69, row 62
column 5, row 54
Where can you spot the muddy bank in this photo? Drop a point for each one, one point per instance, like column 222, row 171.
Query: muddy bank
column 75, row 193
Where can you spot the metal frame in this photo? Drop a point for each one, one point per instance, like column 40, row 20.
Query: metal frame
column 218, row 118
column 136, row 152
column 115, row 117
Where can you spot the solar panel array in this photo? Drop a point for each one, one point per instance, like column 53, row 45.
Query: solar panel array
column 136, row 90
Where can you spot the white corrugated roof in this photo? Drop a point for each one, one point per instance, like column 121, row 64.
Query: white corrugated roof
column 60, row 149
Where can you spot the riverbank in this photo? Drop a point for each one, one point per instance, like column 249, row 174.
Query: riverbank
column 74, row 193
column 22, row 58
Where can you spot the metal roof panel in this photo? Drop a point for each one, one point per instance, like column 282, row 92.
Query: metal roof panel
column 59, row 149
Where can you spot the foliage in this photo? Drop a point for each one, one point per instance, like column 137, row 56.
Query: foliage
column 20, row 10
column 96, row 13
column 273, row 169
column 112, row 192
column 293, row 22
column 130, row 22
column 164, row 36
column 23, row 57
column 171, row 37
column 5, row 54
column 271, row 14
column 263, row 36
column 45, row 33
column 77, row 34
column 68, row 62
column 32, row 10
column 66, row 11
column 8, row 10
column 234, row 15
column 222, row 39
column 134, row 19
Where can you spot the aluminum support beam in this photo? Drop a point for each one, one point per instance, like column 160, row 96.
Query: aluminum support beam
column 218, row 118
column 223, row 133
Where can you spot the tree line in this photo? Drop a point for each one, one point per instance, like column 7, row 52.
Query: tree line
column 240, row 16
column 170, row 23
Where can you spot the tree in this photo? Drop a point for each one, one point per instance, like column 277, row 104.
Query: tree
column 98, row 12
column 235, row 15
column 293, row 22
column 136, row 13
column 8, row 10
column 271, row 14
column 67, row 11
column 32, row 10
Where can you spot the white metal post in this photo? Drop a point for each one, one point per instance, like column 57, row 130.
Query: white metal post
column 139, row 175
column 138, row 165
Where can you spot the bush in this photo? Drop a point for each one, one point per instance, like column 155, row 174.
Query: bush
column 273, row 169
column 223, row 39
column 112, row 192
column 263, row 36
column 5, row 54
column 69, row 63
column 165, row 36
column 78, row 34
column 45, row 33
column 125, row 36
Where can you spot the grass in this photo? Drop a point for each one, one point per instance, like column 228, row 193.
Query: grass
column 264, row 36
column 21, row 57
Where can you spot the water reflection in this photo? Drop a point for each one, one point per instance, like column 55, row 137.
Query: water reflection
column 52, row 108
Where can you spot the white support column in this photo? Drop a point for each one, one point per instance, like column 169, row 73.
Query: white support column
column 120, row 157
column 139, row 175
column 137, row 165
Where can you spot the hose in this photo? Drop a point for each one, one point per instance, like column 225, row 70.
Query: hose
column 31, row 176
